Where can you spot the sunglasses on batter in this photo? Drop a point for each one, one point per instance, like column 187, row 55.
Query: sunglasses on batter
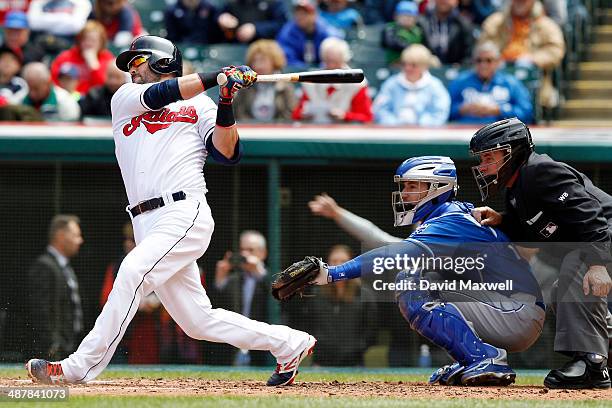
column 138, row 61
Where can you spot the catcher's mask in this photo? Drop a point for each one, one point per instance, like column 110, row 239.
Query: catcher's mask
column 512, row 139
column 163, row 56
column 422, row 184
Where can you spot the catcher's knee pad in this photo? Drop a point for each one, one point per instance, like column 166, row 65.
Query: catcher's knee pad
column 444, row 325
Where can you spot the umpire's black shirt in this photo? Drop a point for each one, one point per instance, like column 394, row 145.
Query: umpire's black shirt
column 553, row 202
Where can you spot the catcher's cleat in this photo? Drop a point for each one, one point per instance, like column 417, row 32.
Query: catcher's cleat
column 579, row 373
column 447, row 375
column 285, row 373
column 490, row 371
column 45, row 372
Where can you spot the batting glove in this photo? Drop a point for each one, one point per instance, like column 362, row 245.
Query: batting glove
column 237, row 78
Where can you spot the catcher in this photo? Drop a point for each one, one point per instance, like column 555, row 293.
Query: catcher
column 476, row 327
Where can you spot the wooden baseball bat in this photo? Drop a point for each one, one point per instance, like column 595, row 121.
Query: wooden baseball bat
column 330, row 76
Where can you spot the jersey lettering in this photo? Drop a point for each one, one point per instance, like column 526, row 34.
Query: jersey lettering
column 154, row 121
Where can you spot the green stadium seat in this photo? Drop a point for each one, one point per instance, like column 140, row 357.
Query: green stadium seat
column 531, row 77
column 152, row 15
column 446, row 73
column 226, row 54
column 367, row 34
column 367, row 53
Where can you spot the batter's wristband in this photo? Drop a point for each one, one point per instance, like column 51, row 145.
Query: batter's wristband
column 209, row 79
column 225, row 114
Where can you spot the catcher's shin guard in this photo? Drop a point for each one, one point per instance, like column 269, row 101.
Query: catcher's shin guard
column 444, row 325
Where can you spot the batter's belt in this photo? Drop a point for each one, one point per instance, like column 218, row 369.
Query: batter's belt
column 154, row 203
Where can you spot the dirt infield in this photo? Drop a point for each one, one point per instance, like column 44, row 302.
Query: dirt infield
column 391, row 389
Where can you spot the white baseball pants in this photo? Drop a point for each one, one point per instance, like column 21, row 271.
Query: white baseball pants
column 169, row 241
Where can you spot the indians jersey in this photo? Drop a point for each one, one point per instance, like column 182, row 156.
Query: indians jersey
column 160, row 151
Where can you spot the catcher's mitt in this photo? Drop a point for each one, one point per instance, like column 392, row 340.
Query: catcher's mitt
column 296, row 278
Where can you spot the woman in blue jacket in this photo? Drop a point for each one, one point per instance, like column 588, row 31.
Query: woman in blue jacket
column 414, row 96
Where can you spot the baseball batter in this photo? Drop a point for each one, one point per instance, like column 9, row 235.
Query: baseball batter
column 164, row 128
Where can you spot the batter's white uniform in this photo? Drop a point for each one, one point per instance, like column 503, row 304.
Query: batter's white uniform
column 159, row 153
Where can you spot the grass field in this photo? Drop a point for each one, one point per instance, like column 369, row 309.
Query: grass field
column 191, row 386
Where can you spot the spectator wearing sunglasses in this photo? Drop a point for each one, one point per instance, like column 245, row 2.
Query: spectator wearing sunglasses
column 486, row 93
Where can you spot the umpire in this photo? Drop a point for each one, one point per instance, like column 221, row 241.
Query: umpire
column 549, row 201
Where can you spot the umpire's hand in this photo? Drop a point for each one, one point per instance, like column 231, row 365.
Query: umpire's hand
column 487, row 216
column 597, row 281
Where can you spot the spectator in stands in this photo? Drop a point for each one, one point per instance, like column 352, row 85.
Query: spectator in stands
column 141, row 341
column 54, row 103
column 487, row 94
column 68, row 79
column 96, row 103
column 527, row 36
column 448, row 34
column 193, row 22
column 245, row 21
column 240, row 287
column 476, row 11
column 403, row 31
column 379, row 11
column 339, row 103
column 337, row 14
column 89, row 56
column 301, row 37
column 8, row 6
column 120, row 20
column 557, row 10
column 58, row 18
column 347, row 308
column 413, row 96
column 56, row 315
column 265, row 101
column 17, row 36
column 13, row 88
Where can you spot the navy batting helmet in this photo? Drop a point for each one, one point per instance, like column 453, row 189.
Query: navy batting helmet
column 164, row 57
column 510, row 136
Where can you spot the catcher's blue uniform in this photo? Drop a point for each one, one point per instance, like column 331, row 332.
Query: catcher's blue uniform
column 459, row 320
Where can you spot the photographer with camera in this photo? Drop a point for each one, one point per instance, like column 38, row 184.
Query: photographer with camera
column 239, row 286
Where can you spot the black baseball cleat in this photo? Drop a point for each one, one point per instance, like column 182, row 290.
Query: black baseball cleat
column 285, row 373
column 45, row 372
column 581, row 372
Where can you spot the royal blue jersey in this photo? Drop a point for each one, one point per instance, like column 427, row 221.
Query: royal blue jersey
column 446, row 242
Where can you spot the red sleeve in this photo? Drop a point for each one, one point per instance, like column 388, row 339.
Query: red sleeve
column 107, row 286
column 361, row 107
column 297, row 112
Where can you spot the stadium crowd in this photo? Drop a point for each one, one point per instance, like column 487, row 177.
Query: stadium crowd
column 441, row 60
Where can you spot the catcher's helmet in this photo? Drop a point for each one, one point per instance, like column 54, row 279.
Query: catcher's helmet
column 510, row 136
column 164, row 57
column 441, row 175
